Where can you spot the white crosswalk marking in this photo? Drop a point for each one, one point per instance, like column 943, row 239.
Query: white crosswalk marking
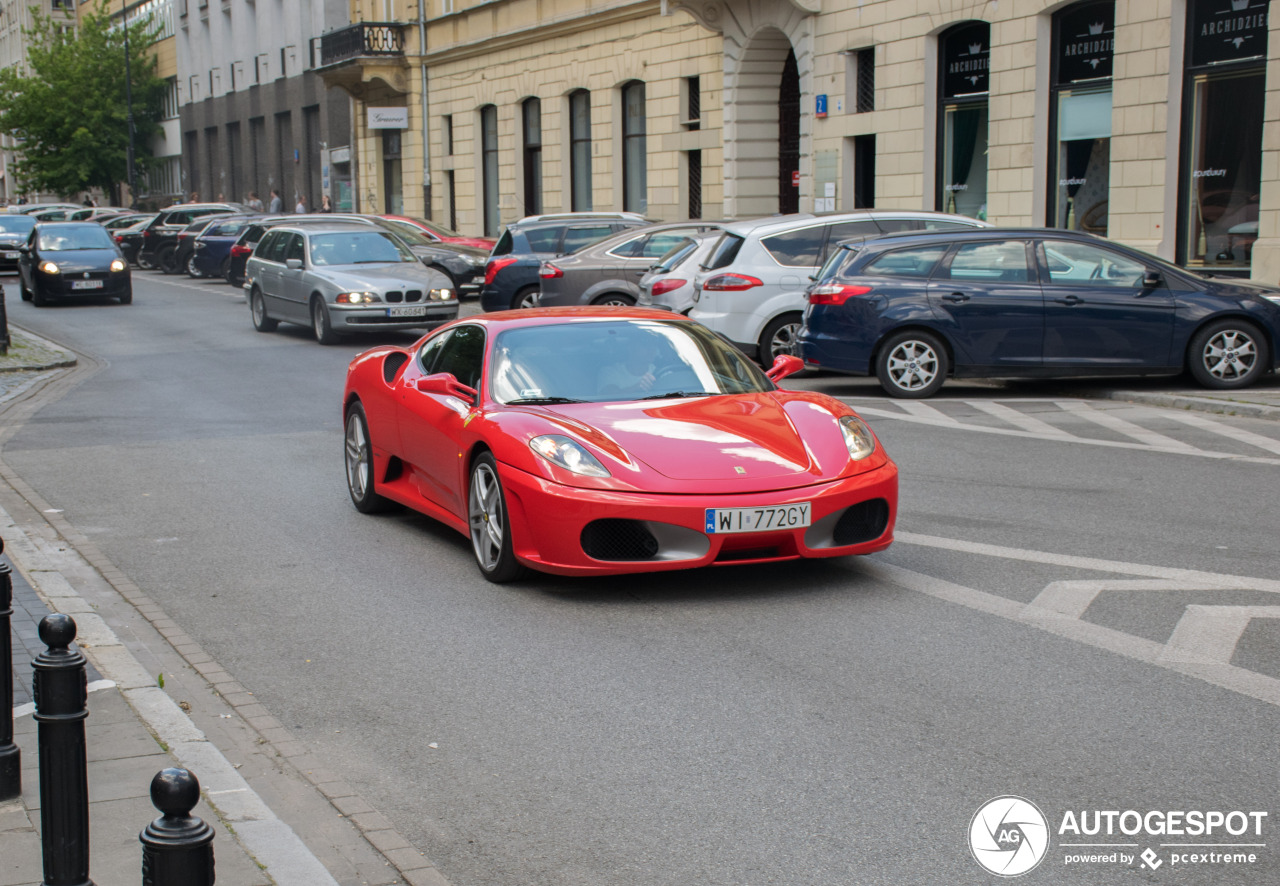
column 1108, row 419
column 1018, row 419
column 1209, row 634
column 926, row 412
column 1234, row 433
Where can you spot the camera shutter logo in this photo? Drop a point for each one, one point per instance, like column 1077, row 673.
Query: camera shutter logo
column 1009, row 836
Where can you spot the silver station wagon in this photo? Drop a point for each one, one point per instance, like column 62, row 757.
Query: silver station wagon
column 343, row 278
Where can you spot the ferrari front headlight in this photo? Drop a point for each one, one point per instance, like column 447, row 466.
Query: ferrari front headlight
column 565, row 453
column 857, row 436
column 48, row 267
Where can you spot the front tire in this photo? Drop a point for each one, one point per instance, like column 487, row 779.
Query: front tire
column 490, row 528
column 359, row 462
column 321, row 326
column 258, row 310
column 781, row 336
column 912, row 365
column 167, row 260
column 1228, row 354
column 23, row 291
column 38, row 298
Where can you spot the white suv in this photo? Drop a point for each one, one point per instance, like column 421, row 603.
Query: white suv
column 751, row 288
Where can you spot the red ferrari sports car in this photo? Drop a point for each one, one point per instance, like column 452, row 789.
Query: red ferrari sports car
column 596, row 440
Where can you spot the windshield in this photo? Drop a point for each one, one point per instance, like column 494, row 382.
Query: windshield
column 357, row 248
column 594, row 362
column 436, row 228
column 674, row 256
column 409, row 233
column 66, row 237
column 16, row 224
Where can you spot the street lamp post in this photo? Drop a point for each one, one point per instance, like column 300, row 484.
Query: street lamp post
column 128, row 100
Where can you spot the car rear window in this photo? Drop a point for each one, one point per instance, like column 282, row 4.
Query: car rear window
column 724, row 252
column 503, row 246
column 917, row 261
column 577, row 237
column 797, row 249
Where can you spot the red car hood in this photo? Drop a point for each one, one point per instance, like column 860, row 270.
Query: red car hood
column 741, row 439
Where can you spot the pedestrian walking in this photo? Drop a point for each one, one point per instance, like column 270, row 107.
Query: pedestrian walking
column 253, row 202
column 302, row 205
column 276, row 203
column 326, row 205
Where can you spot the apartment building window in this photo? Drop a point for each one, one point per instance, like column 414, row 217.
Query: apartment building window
column 1223, row 111
column 635, row 197
column 860, row 79
column 531, row 117
column 446, row 128
column 489, row 167
column 1080, row 116
column 580, row 150
column 695, row 184
column 964, row 76
column 692, row 103
column 451, row 194
column 864, row 172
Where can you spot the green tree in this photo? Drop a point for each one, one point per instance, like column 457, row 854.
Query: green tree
column 70, row 111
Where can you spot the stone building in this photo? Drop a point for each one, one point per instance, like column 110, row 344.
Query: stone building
column 1144, row 122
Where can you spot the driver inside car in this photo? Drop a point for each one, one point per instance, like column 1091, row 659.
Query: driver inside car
column 634, row 372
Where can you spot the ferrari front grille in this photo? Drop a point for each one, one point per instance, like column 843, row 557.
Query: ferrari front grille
column 618, row 540
column 862, row 522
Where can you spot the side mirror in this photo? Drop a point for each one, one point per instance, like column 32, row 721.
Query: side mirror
column 786, row 364
column 293, row 264
column 446, row 383
column 1151, row 279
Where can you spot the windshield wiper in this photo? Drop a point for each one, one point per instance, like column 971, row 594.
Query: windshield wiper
column 527, row 401
column 673, row 394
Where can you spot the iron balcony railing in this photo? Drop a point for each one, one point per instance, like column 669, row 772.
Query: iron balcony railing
column 361, row 40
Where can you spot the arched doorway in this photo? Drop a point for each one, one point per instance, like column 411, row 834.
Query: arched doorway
column 789, row 136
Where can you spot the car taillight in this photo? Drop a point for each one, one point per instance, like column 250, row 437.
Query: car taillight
column 494, row 265
column 730, row 283
column 666, row 285
column 240, row 249
column 835, row 293
column 548, row 271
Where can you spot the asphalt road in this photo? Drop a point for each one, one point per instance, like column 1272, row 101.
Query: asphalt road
column 824, row 724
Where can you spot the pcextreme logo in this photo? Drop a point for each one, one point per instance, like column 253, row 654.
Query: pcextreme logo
column 1009, row 836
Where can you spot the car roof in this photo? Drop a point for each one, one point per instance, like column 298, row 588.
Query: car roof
column 338, row 226
column 570, row 217
column 988, row 233
column 779, row 223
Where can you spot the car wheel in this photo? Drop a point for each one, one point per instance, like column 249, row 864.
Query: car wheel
column 781, row 336
column 225, row 271
column 359, row 461
column 1227, row 354
column 490, row 528
column 258, row 310
column 912, row 365
column 144, row 262
column 525, row 298
column 615, row 298
column 192, row 270
column 167, row 260
column 320, row 323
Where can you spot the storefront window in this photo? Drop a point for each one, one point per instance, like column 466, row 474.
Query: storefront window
column 1084, row 43
column 966, row 53
column 1222, row 133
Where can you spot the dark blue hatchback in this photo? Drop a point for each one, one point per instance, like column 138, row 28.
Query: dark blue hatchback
column 915, row 308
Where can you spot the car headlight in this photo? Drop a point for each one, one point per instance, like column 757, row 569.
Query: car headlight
column 118, row 264
column 441, row 295
column 565, row 453
column 357, row 298
column 48, row 267
column 857, row 436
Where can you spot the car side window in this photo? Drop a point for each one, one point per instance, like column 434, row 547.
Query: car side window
column 629, row 249
column 463, row 355
column 293, row 248
column 429, row 353
column 939, row 225
column 266, row 244
column 659, row 245
column 800, row 248
column 917, row 261
column 1004, row 261
column 577, row 237
column 275, row 250
column 542, row 239
column 1073, row 263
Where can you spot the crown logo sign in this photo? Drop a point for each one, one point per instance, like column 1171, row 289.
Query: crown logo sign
column 975, row 48
column 1095, row 30
column 1239, row 5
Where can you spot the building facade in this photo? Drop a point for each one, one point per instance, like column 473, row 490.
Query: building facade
column 255, row 117
column 1150, row 123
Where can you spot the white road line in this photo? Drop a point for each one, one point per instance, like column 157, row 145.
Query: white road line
column 925, row 411
column 1108, row 419
column 1018, row 419
column 1209, row 634
column 1072, row 598
column 1225, row 430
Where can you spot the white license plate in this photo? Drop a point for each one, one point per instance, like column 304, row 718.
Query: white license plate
column 723, row 521
column 412, row 311
column 86, row 284
column 12, row 255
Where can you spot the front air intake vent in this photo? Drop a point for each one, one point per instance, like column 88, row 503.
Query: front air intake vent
column 862, row 522
column 618, row 540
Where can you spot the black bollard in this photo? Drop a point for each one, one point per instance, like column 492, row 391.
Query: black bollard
column 61, row 696
column 177, row 848
column 10, row 754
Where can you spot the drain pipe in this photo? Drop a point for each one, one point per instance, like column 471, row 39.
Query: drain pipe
column 426, row 138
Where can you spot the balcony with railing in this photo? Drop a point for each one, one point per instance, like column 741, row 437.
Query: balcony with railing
column 353, row 56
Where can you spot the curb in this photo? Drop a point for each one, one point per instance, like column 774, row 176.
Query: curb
column 52, row 356
column 1193, row 404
